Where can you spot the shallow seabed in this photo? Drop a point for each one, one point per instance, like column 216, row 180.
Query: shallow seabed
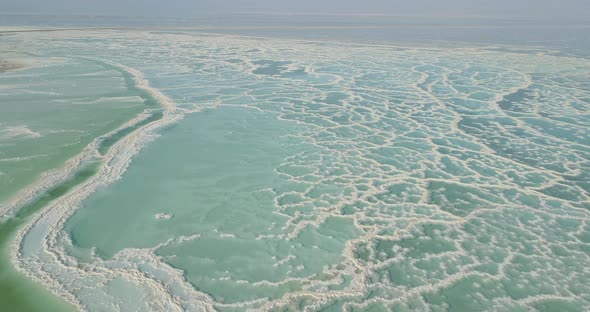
column 310, row 176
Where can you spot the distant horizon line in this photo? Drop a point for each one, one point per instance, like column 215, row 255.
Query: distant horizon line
column 108, row 13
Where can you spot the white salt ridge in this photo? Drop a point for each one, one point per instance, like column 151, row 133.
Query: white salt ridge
column 52, row 218
column 396, row 219
column 16, row 159
column 18, row 131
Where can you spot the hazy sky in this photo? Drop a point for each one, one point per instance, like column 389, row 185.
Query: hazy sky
column 496, row 8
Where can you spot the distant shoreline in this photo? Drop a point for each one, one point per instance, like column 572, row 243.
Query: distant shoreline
column 6, row 66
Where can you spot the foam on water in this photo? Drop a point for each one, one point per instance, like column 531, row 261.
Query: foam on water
column 399, row 178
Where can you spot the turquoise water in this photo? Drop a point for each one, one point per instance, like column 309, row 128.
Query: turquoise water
column 304, row 176
column 51, row 110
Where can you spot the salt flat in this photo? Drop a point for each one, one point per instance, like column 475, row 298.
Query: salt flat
column 320, row 176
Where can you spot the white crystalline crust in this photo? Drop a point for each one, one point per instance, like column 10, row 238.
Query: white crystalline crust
column 415, row 136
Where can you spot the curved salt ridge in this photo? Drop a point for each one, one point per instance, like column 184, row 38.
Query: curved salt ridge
column 171, row 291
column 47, row 180
column 53, row 177
column 53, row 217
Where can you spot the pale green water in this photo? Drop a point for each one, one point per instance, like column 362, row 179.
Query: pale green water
column 324, row 177
column 50, row 112
column 222, row 188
